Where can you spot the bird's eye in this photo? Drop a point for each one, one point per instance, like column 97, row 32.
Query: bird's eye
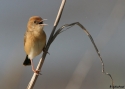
column 41, row 22
column 35, row 21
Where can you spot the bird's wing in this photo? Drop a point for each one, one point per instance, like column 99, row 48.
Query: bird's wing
column 24, row 38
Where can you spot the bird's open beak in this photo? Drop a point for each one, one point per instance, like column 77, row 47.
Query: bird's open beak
column 41, row 23
column 44, row 19
column 44, row 24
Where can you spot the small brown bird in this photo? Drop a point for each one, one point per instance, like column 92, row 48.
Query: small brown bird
column 34, row 40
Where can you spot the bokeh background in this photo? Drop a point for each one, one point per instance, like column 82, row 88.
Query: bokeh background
column 73, row 62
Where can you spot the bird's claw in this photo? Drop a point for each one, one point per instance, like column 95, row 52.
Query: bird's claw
column 44, row 50
column 37, row 72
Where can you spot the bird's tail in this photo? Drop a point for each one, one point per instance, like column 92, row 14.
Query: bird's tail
column 27, row 61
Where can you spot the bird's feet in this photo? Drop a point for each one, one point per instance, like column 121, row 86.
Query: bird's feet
column 44, row 50
column 37, row 72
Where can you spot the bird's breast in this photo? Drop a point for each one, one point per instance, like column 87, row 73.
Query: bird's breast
column 35, row 42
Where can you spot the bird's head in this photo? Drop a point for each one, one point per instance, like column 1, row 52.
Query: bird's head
column 35, row 23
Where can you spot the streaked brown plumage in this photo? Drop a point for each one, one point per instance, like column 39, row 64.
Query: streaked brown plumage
column 34, row 40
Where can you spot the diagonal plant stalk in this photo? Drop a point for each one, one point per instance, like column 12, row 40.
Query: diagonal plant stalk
column 52, row 38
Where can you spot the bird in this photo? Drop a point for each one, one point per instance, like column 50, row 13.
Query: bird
column 34, row 40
